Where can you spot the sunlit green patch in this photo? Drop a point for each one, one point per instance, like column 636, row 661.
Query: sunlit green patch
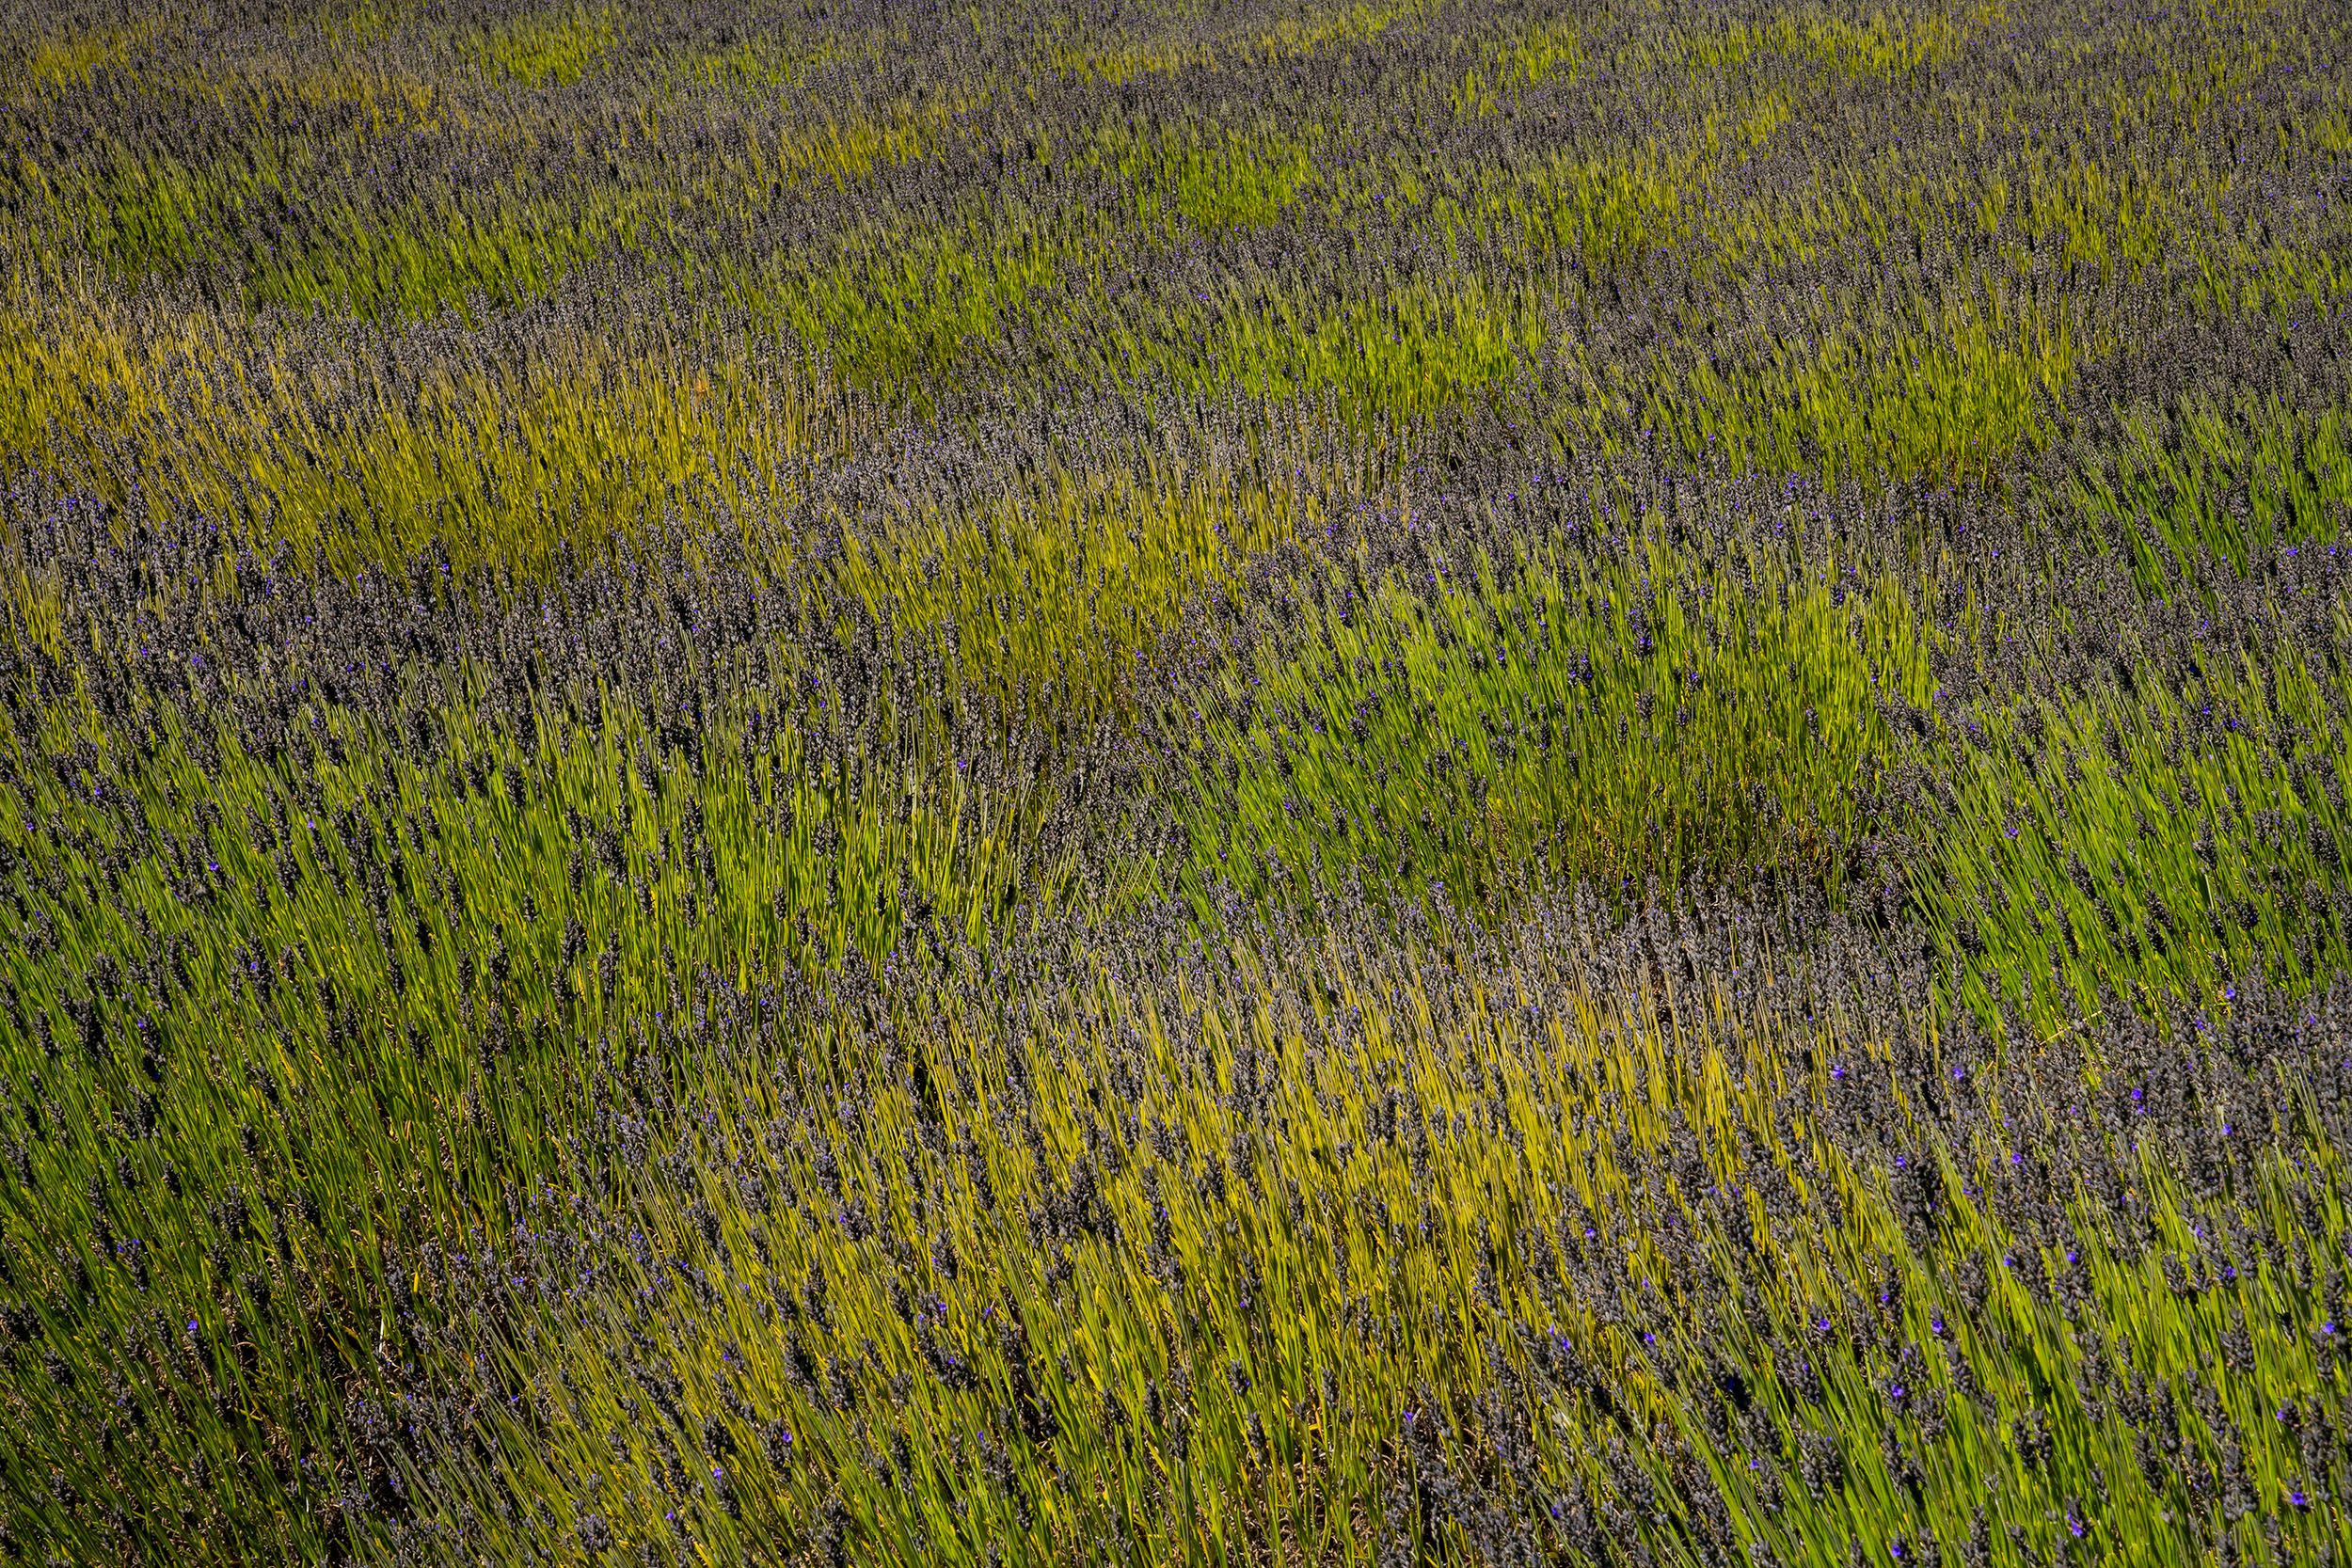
column 309, row 1045
column 549, row 48
column 833, row 145
column 2116, row 221
column 900, row 318
column 361, row 23
column 2151, row 840
column 1953, row 398
column 2195, row 73
column 61, row 63
column 155, row 216
column 1048, row 600
column 1416, row 348
column 762, row 61
column 1218, row 182
column 1114, row 64
column 1319, row 28
column 505, row 469
column 1604, row 212
column 471, row 857
column 1878, row 43
column 385, row 99
column 1114, row 60
column 267, row 223
column 2294, row 285
column 2221, row 484
column 429, row 257
column 1546, row 52
column 379, row 964
column 1556, row 719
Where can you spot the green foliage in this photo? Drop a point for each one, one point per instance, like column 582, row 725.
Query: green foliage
column 1879, row 44
column 1050, row 599
column 64, row 61
column 156, row 217
column 1545, row 53
column 361, row 945
column 550, row 48
column 437, row 256
column 898, row 319
column 1413, row 350
column 505, row 465
column 2226, row 485
column 1558, row 721
column 1604, row 214
column 1242, row 182
column 1949, row 399
column 2150, row 842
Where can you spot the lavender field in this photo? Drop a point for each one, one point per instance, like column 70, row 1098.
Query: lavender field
column 1176, row 782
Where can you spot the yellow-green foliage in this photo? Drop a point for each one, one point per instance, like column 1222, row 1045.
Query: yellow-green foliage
column 503, row 466
column 1411, row 351
column 1290, row 1427
column 1348, row 1273
column 59, row 63
column 2288, row 284
column 1049, row 598
column 358, row 21
column 2159, row 837
column 834, row 144
column 424, row 255
column 2113, row 220
column 2229, row 484
column 433, row 257
column 1579, row 722
column 1117, row 63
column 550, row 48
column 761, row 63
column 1607, row 213
column 1548, row 52
column 814, row 865
column 1951, row 397
column 1236, row 181
column 1113, row 61
column 1880, row 42
column 154, row 215
column 388, row 99
column 916, row 956
column 842, row 148
column 1321, row 27
column 895, row 317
